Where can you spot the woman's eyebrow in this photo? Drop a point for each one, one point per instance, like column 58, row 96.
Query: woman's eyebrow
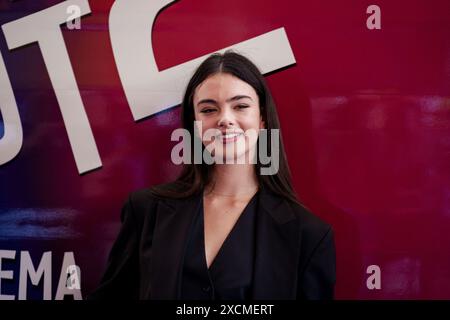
column 212, row 101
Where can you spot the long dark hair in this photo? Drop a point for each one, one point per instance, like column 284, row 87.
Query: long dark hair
column 194, row 177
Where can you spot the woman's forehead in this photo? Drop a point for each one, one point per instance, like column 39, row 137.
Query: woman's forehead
column 221, row 87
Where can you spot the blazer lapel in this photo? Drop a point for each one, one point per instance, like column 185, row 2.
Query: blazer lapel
column 277, row 249
column 173, row 222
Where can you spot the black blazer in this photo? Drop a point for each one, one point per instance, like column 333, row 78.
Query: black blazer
column 294, row 259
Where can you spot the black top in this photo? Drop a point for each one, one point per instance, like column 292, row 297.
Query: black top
column 229, row 276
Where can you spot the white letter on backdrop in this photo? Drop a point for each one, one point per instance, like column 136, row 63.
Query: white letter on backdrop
column 12, row 139
column 149, row 90
column 43, row 27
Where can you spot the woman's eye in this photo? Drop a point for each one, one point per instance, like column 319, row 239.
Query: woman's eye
column 207, row 110
column 242, row 106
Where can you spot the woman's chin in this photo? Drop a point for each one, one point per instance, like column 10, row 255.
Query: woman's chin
column 231, row 159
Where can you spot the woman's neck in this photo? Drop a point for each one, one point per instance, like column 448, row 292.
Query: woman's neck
column 233, row 180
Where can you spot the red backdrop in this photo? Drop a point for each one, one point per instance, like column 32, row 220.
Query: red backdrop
column 365, row 116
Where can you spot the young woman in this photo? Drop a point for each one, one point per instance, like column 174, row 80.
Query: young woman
column 223, row 230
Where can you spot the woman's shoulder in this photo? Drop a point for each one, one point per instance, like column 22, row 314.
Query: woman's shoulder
column 145, row 197
column 287, row 209
column 314, row 231
column 140, row 203
column 310, row 223
column 307, row 217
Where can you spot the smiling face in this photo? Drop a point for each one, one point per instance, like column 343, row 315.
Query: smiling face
column 230, row 106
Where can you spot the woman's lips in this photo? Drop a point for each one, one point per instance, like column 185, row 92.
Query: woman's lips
column 229, row 137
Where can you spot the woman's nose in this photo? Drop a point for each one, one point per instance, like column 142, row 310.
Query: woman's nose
column 225, row 119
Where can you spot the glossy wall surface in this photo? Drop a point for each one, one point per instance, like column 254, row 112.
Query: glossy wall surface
column 365, row 117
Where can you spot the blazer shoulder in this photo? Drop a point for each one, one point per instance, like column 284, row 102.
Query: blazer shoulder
column 146, row 195
column 317, row 240
column 140, row 198
column 139, row 204
column 143, row 200
column 310, row 223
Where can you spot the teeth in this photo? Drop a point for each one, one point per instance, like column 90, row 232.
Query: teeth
column 232, row 135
